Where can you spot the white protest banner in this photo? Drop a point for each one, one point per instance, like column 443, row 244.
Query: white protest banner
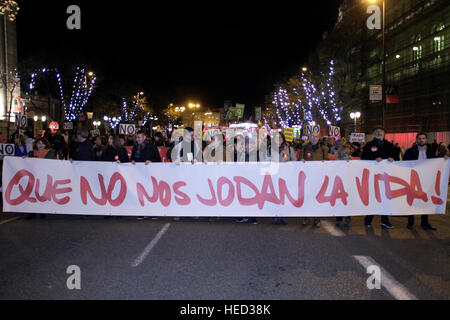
column 296, row 189
column 7, row 150
column 358, row 137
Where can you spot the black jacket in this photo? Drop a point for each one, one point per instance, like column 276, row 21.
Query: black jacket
column 149, row 153
column 380, row 149
column 109, row 155
column 84, row 152
column 413, row 153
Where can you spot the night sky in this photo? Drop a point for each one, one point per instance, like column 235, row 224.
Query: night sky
column 205, row 52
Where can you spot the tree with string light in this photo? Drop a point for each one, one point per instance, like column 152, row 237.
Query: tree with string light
column 307, row 97
column 80, row 91
column 134, row 108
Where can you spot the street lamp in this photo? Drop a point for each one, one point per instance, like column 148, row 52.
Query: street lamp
column 383, row 49
column 355, row 116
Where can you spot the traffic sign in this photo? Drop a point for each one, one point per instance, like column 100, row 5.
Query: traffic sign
column 376, row 93
column 392, row 96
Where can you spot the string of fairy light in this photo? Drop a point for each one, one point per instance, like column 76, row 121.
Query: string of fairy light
column 296, row 104
column 82, row 88
column 132, row 108
column 81, row 92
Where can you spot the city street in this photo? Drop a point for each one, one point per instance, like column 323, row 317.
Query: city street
column 219, row 259
column 219, row 118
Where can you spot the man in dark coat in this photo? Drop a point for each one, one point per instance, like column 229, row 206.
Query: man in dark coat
column 379, row 149
column 84, row 150
column 422, row 151
column 144, row 151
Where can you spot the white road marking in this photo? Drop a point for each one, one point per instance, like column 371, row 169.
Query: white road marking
column 332, row 229
column 397, row 290
column 150, row 247
column 10, row 220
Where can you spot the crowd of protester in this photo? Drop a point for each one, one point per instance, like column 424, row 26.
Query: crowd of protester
column 143, row 149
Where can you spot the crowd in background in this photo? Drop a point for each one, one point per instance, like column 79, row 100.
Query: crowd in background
column 141, row 148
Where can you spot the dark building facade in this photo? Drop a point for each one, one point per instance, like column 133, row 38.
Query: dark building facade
column 418, row 64
column 417, row 43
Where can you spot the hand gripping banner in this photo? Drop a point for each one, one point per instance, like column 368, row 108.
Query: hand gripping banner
column 294, row 189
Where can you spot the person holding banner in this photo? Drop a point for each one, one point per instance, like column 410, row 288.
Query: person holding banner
column 83, row 150
column 342, row 154
column 42, row 150
column 144, row 152
column 114, row 152
column 314, row 151
column 379, row 149
column 422, row 151
column 287, row 154
column 241, row 153
column 186, row 149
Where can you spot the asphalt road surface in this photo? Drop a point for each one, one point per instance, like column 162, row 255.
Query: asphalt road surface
column 220, row 260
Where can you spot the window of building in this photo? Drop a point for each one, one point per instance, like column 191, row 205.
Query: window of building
column 439, row 38
column 417, row 51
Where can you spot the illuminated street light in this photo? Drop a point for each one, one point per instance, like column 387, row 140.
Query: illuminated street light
column 44, row 118
column 355, row 116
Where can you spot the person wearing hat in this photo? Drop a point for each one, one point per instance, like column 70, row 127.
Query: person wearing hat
column 84, row 150
column 379, row 149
